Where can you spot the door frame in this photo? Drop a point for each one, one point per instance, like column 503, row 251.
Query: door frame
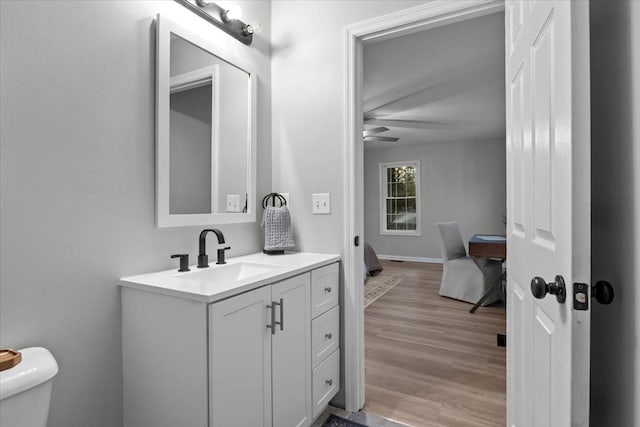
column 432, row 14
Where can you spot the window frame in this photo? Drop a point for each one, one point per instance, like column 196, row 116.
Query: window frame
column 383, row 193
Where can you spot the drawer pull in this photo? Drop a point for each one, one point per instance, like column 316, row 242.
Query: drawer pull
column 329, row 382
column 328, row 336
column 281, row 322
column 328, row 289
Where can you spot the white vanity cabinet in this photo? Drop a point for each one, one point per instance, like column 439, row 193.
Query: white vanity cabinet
column 267, row 356
column 250, row 353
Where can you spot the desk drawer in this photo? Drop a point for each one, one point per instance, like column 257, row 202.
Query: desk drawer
column 325, row 335
column 326, row 382
column 325, row 289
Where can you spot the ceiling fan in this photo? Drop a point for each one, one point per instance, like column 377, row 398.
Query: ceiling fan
column 371, row 135
column 395, row 107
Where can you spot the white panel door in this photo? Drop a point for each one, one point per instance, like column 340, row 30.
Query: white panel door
column 240, row 360
column 291, row 352
column 548, row 197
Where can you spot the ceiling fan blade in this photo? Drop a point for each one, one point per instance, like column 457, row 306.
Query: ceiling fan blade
column 380, row 139
column 374, row 131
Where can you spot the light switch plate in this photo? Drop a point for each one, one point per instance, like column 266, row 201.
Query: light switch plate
column 321, row 203
column 233, row 203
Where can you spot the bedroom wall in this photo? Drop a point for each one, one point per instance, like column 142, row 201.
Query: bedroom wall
column 77, row 105
column 460, row 181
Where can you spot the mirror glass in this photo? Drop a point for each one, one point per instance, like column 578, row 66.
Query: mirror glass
column 205, row 135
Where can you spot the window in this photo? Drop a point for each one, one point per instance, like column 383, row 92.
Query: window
column 399, row 198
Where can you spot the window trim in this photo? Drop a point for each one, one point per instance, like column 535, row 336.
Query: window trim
column 382, row 196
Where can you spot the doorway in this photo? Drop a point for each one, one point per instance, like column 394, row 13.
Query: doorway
column 434, row 151
column 402, row 23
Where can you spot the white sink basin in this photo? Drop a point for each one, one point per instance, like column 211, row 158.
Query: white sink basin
column 229, row 273
column 218, row 282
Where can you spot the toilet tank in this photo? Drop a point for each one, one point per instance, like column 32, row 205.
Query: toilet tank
column 25, row 389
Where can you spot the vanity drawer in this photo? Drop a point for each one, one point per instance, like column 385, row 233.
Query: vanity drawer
column 325, row 335
column 325, row 289
column 326, row 382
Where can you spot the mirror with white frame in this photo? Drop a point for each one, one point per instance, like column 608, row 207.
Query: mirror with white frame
column 205, row 131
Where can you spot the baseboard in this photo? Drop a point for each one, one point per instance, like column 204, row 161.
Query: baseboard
column 410, row 258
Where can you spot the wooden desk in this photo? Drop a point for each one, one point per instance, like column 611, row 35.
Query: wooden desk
column 488, row 246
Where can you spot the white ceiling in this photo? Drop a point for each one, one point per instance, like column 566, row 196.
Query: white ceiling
column 443, row 84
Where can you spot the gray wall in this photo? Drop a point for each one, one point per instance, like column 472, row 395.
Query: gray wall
column 460, row 181
column 615, row 124
column 77, row 183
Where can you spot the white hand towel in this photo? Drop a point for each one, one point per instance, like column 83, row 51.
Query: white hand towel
column 278, row 233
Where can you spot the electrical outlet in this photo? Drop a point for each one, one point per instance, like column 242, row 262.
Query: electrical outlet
column 321, row 203
column 233, row 203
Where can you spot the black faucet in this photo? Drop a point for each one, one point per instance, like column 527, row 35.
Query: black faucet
column 203, row 258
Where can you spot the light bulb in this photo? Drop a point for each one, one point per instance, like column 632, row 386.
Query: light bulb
column 254, row 28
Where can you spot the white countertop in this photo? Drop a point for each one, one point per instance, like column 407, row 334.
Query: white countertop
column 171, row 282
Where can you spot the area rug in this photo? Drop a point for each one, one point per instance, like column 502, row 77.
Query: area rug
column 376, row 286
column 335, row 421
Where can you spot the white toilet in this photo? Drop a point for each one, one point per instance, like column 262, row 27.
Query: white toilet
column 25, row 389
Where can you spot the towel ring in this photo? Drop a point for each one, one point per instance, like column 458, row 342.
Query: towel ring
column 283, row 202
column 273, row 197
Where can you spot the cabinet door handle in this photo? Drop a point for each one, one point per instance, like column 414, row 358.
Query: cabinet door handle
column 329, row 382
column 281, row 322
column 328, row 335
column 328, row 289
column 273, row 319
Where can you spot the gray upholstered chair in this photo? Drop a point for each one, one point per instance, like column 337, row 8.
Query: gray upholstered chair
column 462, row 278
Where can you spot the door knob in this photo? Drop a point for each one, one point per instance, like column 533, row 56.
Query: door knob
column 540, row 288
column 603, row 292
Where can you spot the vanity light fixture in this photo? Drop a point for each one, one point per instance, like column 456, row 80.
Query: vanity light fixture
column 229, row 21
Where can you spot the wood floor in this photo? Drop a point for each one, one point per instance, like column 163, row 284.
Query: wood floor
column 429, row 362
